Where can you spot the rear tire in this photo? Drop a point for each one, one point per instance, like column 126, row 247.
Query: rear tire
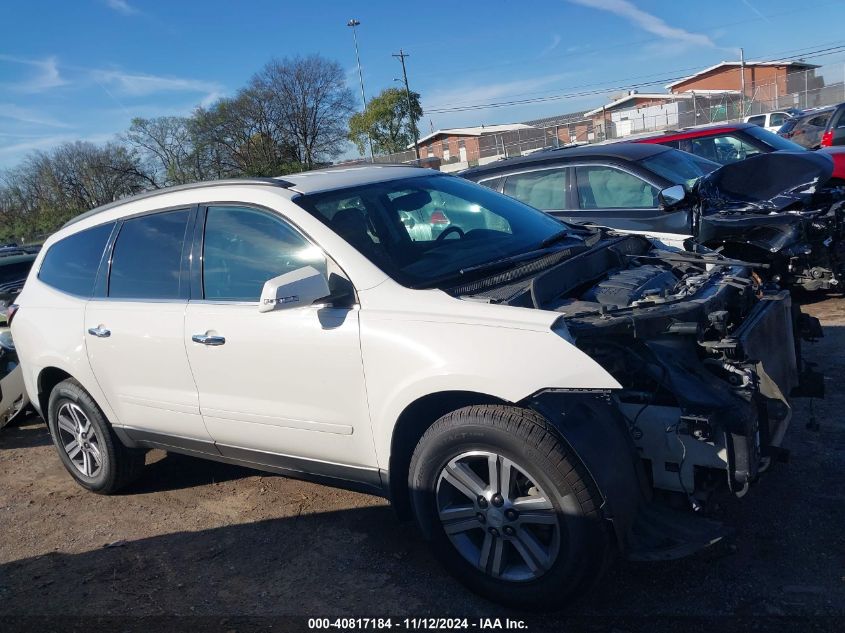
column 86, row 443
column 509, row 509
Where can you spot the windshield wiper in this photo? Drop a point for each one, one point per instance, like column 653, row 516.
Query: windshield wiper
column 487, row 267
column 557, row 237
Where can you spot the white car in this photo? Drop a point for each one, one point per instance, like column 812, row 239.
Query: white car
column 517, row 385
column 771, row 121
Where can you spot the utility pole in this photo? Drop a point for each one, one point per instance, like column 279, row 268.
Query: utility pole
column 353, row 23
column 742, row 81
column 401, row 57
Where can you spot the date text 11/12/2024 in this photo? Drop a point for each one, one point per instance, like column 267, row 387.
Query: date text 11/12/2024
column 431, row 624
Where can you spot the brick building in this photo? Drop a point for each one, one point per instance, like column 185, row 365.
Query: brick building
column 563, row 129
column 469, row 144
column 637, row 112
column 767, row 82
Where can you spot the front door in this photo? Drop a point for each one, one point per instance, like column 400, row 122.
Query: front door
column 610, row 196
column 282, row 387
column 134, row 333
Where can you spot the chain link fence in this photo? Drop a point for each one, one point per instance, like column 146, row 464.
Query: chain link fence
column 801, row 90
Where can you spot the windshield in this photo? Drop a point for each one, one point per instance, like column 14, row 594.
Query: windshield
column 429, row 228
column 773, row 140
column 679, row 167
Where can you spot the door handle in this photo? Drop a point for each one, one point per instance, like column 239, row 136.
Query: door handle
column 99, row 331
column 207, row 339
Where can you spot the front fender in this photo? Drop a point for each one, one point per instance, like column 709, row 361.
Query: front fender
column 407, row 360
column 595, row 430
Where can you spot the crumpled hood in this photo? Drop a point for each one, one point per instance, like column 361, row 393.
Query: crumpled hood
column 765, row 183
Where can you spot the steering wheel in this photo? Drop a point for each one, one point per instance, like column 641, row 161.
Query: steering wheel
column 451, row 229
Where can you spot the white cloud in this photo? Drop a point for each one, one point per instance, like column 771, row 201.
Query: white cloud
column 142, row 84
column 762, row 16
column 26, row 115
column 478, row 93
column 11, row 155
column 121, row 6
column 646, row 21
column 482, row 93
column 47, row 74
column 552, row 46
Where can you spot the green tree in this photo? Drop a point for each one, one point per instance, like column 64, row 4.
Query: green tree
column 385, row 120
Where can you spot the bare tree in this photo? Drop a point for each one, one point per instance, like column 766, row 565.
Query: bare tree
column 167, row 149
column 310, row 103
column 293, row 114
column 49, row 188
column 243, row 136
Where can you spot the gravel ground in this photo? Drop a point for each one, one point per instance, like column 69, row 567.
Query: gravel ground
column 195, row 538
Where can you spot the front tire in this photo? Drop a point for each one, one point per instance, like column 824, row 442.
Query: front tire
column 509, row 509
column 86, row 443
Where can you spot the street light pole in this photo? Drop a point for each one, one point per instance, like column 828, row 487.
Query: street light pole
column 401, row 57
column 353, row 23
column 742, row 80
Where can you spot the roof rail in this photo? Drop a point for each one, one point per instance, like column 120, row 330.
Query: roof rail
column 273, row 182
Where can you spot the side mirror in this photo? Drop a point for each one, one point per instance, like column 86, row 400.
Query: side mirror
column 672, row 196
column 302, row 287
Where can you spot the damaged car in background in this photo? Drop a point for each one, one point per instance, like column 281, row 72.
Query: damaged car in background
column 781, row 211
column 15, row 264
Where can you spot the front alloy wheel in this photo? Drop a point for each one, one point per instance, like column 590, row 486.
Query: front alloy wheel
column 497, row 517
column 508, row 507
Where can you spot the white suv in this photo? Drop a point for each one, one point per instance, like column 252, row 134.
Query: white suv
column 517, row 385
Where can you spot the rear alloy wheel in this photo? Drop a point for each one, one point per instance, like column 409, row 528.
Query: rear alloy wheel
column 497, row 517
column 508, row 507
column 79, row 439
column 86, row 442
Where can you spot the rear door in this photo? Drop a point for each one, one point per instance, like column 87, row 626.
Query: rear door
column 544, row 189
column 135, row 323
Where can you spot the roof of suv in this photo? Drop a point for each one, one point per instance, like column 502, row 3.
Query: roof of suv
column 618, row 151
column 307, row 182
column 341, row 177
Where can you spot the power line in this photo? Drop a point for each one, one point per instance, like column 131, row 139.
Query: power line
column 607, row 83
column 604, row 89
column 593, row 51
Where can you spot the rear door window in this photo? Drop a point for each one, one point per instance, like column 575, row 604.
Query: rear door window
column 758, row 120
column 71, row 264
column 544, row 189
column 604, row 187
column 147, row 258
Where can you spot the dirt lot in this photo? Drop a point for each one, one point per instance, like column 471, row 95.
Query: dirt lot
column 198, row 538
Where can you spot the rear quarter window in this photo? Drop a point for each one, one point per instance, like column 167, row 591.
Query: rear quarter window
column 71, row 264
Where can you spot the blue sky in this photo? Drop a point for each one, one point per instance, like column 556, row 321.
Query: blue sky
column 82, row 69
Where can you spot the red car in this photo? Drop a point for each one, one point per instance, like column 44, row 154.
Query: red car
column 729, row 142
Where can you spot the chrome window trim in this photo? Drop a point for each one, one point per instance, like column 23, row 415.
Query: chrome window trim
column 200, row 244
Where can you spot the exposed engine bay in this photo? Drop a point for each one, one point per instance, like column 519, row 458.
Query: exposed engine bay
column 782, row 209
column 688, row 336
